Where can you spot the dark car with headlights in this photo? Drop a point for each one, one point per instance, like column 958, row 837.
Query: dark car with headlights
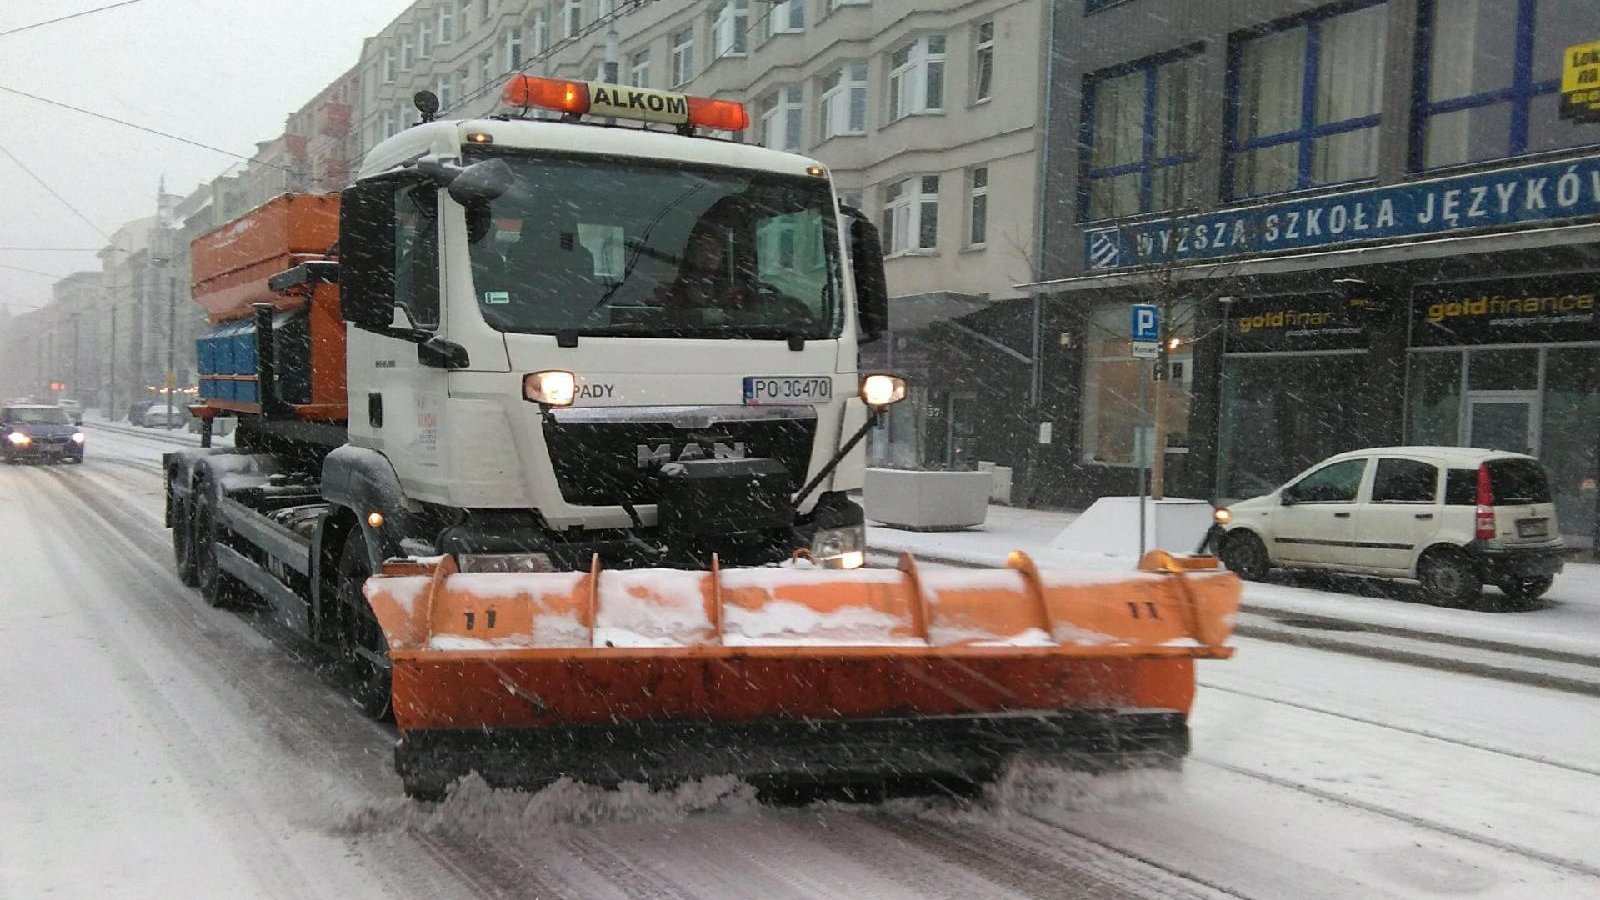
column 38, row 432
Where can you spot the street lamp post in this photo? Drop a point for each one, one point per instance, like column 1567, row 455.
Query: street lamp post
column 172, row 343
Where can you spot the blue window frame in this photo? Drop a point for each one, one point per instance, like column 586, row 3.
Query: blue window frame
column 1138, row 138
column 1488, row 79
column 1305, row 100
column 1094, row 6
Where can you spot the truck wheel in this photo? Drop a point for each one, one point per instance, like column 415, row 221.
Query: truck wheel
column 183, row 543
column 361, row 641
column 217, row 587
column 1244, row 555
column 1449, row 577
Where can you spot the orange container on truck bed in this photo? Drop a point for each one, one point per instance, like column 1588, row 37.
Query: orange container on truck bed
column 231, row 264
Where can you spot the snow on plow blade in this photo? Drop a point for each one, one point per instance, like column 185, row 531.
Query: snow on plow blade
column 807, row 675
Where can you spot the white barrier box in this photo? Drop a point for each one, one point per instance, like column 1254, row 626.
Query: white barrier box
column 926, row 501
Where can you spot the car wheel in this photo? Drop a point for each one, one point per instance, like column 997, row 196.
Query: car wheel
column 1244, row 554
column 1523, row 591
column 361, row 641
column 1450, row 577
column 183, row 554
column 217, row 587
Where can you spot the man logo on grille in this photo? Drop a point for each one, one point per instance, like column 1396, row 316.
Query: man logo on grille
column 652, row 455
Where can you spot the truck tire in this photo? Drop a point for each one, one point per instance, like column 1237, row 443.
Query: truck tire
column 361, row 641
column 219, row 589
column 183, row 555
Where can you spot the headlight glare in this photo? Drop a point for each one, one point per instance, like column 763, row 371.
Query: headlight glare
column 77, row 437
column 553, row 388
column 840, row 548
column 878, row 391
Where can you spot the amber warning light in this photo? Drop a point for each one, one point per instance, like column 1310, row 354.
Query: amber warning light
column 577, row 98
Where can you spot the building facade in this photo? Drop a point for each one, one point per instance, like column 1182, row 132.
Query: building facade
column 924, row 112
column 1367, row 223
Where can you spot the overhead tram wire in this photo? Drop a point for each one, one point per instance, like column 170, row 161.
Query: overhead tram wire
column 144, row 128
column 52, row 191
column 76, row 15
column 31, row 271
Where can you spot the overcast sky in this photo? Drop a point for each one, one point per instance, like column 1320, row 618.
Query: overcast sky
column 220, row 72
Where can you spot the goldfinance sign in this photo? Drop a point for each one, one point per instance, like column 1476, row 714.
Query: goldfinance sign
column 1580, row 83
column 1539, row 310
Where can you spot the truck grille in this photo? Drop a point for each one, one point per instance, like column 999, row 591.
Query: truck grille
column 608, row 456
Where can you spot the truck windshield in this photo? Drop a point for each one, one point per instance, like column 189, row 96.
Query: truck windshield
column 596, row 245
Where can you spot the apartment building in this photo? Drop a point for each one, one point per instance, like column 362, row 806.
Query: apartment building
column 924, row 112
column 1370, row 221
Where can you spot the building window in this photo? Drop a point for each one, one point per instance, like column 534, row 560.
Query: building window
column 425, row 36
column 835, row 4
column 916, row 77
column 447, row 22
column 444, row 88
column 408, row 51
column 541, row 30
column 1094, row 6
column 639, row 69
column 603, row 8
column 571, row 18
column 390, row 64
column 729, row 22
column 513, row 48
column 781, row 113
column 1115, row 430
column 464, row 80
column 682, row 57
column 978, row 206
column 911, row 215
column 1141, row 137
column 1306, row 103
column 486, row 68
column 1489, row 76
column 844, row 100
column 983, row 62
column 788, row 17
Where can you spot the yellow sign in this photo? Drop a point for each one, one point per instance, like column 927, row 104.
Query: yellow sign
column 1580, row 83
column 622, row 102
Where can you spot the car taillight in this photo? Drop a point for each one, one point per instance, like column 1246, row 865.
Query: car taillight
column 1483, row 520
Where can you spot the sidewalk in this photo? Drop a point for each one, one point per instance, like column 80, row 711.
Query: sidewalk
column 1566, row 622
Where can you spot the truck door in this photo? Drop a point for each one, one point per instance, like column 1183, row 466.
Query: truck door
column 1400, row 515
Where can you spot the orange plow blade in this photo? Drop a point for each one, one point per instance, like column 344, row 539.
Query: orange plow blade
column 789, row 673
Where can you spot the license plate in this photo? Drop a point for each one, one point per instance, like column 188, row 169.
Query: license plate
column 1530, row 528
column 781, row 390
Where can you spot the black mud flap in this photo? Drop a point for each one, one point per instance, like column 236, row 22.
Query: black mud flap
column 785, row 753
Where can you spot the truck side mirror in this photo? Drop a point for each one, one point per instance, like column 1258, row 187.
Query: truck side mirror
column 367, row 224
column 482, row 182
column 872, row 291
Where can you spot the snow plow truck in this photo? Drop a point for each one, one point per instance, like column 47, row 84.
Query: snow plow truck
column 549, row 424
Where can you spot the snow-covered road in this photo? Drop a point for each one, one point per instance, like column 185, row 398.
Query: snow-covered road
column 153, row 747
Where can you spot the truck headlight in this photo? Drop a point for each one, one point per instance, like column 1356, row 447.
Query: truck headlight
column 840, row 548
column 554, row 388
column 19, row 439
column 878, row 391
column 504, row 563
column 1223, row 516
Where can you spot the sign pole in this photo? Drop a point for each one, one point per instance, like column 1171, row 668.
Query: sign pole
column 1145, row 343
column 1139, row 448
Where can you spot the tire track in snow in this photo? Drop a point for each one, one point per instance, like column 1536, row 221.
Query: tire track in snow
column 303, row 730
column 1559, row 862
column 1416, row 732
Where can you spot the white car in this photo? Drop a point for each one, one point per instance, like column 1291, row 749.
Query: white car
column 74, row 410
column 157, row 417
column 1452, row 518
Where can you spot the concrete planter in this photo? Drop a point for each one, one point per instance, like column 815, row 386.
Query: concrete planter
column 926, row 501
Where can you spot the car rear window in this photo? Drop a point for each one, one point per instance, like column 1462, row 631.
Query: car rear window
column 1512, row 480
column 1518, row 481
column 1404, row 481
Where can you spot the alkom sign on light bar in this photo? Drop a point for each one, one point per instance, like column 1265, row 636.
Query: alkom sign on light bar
column 581, row 98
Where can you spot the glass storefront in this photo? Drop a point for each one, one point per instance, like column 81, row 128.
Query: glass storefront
column 1543, row 400
column 1282, row 413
